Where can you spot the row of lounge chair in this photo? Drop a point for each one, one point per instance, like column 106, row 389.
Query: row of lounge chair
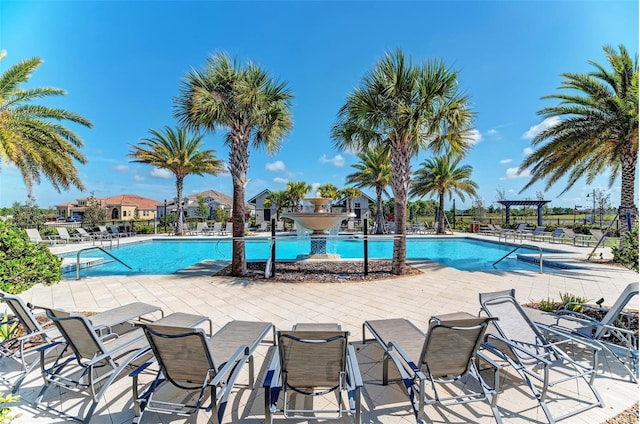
column 559, row 235
column 315, row 359
column 81, row 235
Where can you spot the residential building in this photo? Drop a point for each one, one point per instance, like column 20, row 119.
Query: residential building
column 123, row 207
column 213, row 200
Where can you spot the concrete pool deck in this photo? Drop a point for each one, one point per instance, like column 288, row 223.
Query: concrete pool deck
column 438, row 290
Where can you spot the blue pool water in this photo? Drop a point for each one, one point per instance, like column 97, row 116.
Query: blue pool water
column 170, row 256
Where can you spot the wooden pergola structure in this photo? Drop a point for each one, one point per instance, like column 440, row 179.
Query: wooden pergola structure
column 538, row 203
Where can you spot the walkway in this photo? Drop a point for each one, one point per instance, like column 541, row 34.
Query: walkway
column 438, row 290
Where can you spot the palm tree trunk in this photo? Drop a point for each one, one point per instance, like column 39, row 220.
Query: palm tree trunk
column 179, row 223
column 627, row 205
column 441, row 213
column 379, row 216
column 239, row 163
column 401, row 160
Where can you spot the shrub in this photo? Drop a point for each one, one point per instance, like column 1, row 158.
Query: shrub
column 547, row 305
column 144, row 229
column 22, row 263
column 568, row 298
column 5, row 411
column 627, row 255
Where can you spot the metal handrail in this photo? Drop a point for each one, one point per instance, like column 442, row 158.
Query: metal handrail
column 94, row 247
column 518, row 247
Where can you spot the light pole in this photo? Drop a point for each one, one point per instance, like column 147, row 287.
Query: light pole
column 454, row 213
column 165, row 216
column 593, row 217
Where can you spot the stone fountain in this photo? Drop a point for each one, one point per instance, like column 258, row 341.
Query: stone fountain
column 320, row 221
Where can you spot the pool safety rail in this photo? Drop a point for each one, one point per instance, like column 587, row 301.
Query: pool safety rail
column 92, row 248
column 518, row 247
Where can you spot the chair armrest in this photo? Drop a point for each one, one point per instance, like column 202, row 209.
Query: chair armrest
column 492, row 348
column 353, row 368
column 272, row 377
column 142, row 367
column 48, row 346
column 242, row 354
column 567, row 337
column 395, row 348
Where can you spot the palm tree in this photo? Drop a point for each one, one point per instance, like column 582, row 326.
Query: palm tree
column 253, row 107
column 442, row 176
column 597, row 131
column 375, row 171
column 178, row 152
column 329, row 191
column 350, row 193
column 409, row 109
column 278, row 199
column 28, row 138
column 296, row 191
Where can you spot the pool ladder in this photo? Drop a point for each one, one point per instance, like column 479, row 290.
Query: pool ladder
column 518, row 247
column 90, row 248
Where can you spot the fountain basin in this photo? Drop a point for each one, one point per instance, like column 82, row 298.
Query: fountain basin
column 317, row 222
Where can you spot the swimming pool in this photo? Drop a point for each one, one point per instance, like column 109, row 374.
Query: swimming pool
column 163, row 256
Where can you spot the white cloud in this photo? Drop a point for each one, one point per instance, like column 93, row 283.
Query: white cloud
column 165, row 174
column 511, row 191
column 505, row 161
column 514, row 173
column 474, row 136
column 275, row 166
column 121, row 168
column 337, row 160
column 138, row 178
column 492, row 132
column 279, row 180
column 527, row 151
column 537, row 129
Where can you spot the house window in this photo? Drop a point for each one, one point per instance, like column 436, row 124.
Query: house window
column 357, row 205
column 115, row 214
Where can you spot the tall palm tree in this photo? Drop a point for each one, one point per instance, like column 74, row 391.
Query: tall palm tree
column 442, row 176
column 375, row 171
column 254, row 108
column 350, row 193
column 409, row 108
column 178, row 152
column 277, row 199
column 597, row 131
column 28, row 137
column 329, row 191
column 296, row 191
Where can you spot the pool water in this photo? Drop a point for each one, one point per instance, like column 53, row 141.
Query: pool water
column 170, row 256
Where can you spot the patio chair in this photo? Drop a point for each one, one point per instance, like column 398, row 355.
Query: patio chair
column 539, row 234
column 525, row 346
column 216, row 229
column 35, row 237
column 280, row 226
column 599, row 236
column 201, row 228
column 313, row 360
column 104, row 234
column 63, row 234
column 613, row 327
column 264, row 226
column 446, row 354
column 84, row 235
column 192, row 361
column 89, row 363
column 576, row 238
column 23, row 346
column 116, row 232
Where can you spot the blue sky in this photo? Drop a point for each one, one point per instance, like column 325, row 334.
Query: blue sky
column 122, row 62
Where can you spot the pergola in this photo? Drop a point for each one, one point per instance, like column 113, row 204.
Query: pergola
column 508, row 203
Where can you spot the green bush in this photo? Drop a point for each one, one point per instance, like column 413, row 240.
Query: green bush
column 22, row 263
column 568, row 297
column 145, row 229
column 5, row 411
column 628, row 254
column 547, row 305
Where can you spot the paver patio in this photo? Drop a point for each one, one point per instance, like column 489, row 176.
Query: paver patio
column 438, row 290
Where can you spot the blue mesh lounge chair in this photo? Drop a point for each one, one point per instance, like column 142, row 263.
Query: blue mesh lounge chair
column 194, row 362
column 313, row 360
column 525, row 346
column 432, row 364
